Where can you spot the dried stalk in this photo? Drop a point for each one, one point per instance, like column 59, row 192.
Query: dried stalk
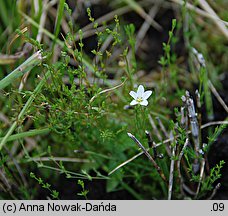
column 164, row 142
column 201, row 177
column 154, row 127
column 17, row 166
column 179, row 162
column 150, row 141
column 184, row 120
column 162, row 127
column 167, row 147
column 194, row 127
column 214, row 191
column 38, row 38
column 153, row 145
column 146, row 25
column 200, row 11
column 138, row 9
column 65, row 159
column 216, row 94
column 221, row 26
column 4, row 180
column 170, row 188
column 160, row 172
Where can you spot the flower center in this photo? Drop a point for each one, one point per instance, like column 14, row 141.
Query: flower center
column 139, row 99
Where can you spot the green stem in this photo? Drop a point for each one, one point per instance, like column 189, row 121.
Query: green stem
column 62, row 44
column 24, row 109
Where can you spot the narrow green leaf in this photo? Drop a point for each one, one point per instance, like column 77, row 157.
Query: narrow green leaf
column 58, row 20
column 27, row 134
column 24, row 109
column 30, row 63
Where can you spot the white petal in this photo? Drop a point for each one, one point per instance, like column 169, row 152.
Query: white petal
column 134, row 102
column 133, row 94
column 144, row 103
column 147, row 94
column 140, row 91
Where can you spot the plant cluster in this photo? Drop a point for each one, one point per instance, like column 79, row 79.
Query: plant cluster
column 71, row 104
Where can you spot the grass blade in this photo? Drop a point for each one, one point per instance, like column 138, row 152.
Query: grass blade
column 27, row 134
column 30, row 63
column 58, row 20
column 24, row 109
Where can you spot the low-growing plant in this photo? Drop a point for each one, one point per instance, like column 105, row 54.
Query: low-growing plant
column 69, row 109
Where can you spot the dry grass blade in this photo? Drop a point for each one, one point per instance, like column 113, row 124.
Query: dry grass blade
column 138, row 9
column 156, row 131
column 10, row 59
column 63, row 159
column 4, row 179
column 38, row 38
column 106, row 90
column 216, row 94
column 42, row 21
column 199, row 11
column 17, row 167
column 25, row 29
column 221, row 25
column 162, row 127
column 146, row 25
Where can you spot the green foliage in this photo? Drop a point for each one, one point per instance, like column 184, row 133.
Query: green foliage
column 212, row 138
column 215, row 174
column 130, row 31
column 71, row 115
column 83, row 192
column 54, row 194
column 168, row 60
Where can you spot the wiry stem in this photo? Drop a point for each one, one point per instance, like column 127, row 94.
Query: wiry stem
column 24, row 109
column 153, row 145
column 201, row 177
column 216, row 94
column 162, row 127
column 154, row 127
column 178, row 164
column 160, row 172
column 214, row 191
column 162, row 143
column 171, row 170
column 194, row 127
column 184, row 120
column 166, row 135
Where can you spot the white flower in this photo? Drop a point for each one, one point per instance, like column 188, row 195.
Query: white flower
column 140, row 97
column 201, row 152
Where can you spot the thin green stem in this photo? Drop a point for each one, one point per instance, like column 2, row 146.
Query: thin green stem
column 24, row 109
